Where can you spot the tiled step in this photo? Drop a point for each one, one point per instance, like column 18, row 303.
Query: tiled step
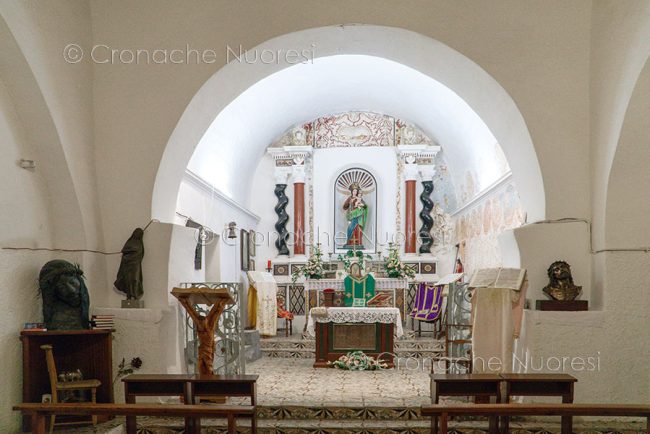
column 287, row 353
column 284, row 353
column 304, row 349
column 316, row 426
column 340, row 413
column 400, row 344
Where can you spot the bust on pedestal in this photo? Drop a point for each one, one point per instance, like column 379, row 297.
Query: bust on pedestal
column 561, row 289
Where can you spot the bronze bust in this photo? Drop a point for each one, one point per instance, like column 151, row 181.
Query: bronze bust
column 560, row 286
column 65, row 296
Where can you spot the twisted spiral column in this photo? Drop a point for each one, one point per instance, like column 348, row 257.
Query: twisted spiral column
column 283, row 218
column 425, row 216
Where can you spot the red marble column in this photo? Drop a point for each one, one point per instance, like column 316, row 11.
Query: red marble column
column 409, row 227
column 299, row 218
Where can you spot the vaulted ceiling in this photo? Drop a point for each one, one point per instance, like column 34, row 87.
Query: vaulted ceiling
column 231, row 148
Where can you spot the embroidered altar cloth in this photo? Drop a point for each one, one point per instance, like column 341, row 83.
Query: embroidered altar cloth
column 383, row 315
column 262, row 302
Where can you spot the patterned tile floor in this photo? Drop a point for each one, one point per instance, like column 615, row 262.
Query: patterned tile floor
column 295, row 382
column 294, row 398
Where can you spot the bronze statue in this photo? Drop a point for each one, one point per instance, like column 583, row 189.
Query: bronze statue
column 129, row 276
column 561, row 285
column 65, row 296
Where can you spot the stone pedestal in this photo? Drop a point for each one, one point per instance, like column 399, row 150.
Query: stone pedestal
column 559, row 305
column 133, row 304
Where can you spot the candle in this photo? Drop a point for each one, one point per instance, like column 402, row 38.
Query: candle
column 268, row 264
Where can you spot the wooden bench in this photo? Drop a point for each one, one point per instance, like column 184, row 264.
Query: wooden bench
column 477, row 385
column 443, row 412
column 40, row 413
column 190, row 387
column 561, row 385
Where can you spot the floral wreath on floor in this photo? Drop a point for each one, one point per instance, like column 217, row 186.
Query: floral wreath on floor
column 358, row 361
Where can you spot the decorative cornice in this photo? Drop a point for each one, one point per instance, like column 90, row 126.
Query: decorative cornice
column 213, row 191
column 494, row 186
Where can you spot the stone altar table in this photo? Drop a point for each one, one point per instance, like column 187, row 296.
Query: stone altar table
column 367, row 329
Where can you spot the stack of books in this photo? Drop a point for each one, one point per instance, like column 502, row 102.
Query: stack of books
column 34, row 327
column 105, row 322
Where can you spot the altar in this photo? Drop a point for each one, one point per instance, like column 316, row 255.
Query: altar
column 339, row 330
column 395, row 289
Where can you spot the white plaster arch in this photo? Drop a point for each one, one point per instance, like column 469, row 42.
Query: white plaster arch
column 627, row 204
column 620, row 49
column 45, row 141
column 427, row 56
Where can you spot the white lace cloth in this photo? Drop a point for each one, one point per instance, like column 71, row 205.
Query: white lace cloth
column 385, row 315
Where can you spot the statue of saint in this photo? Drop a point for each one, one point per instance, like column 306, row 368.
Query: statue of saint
column 560, row 286
column 357, row 214
column 65, row 296
column 129, row 276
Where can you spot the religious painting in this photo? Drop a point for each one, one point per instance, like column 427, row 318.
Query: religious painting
column 355, row 211
column 251, row 243
column 244, row 254
column 354, row 129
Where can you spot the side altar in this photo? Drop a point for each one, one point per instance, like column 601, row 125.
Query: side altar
column 339, row 330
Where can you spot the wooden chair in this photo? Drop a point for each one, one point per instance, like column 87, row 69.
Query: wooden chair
column 282, row 313
column 58, row 386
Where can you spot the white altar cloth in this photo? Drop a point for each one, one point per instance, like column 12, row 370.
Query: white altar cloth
column 384, row 315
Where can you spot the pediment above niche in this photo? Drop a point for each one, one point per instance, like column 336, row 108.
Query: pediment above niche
column 353, row 129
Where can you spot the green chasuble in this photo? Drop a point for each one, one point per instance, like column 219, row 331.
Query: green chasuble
column 359, row 291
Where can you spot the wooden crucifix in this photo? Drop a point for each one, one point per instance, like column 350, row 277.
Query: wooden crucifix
column 205, row 325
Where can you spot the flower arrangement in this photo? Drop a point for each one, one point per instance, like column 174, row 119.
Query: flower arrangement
column 354, row 256
column 126, row 369
column 313, row 269
column 394, row 267
column 358, row 361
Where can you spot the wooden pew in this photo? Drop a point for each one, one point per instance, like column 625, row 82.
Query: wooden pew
column 612, row 410
column 40, row 413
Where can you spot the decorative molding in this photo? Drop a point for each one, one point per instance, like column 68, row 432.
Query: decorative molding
column 281, row 174
column 494, row 186
column 204, row 185
column 354, row 129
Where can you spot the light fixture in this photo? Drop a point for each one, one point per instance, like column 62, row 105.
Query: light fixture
column 232, row 232
column 27, row 164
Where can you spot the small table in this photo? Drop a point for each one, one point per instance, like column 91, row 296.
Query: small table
column 540, row 385
column 156, row 385
column 224, row 386
column 485, row 385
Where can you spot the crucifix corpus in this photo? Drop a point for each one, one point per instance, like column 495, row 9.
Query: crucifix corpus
column 204, row 325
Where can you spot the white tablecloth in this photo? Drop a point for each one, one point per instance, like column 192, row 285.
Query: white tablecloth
column 384, row 315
